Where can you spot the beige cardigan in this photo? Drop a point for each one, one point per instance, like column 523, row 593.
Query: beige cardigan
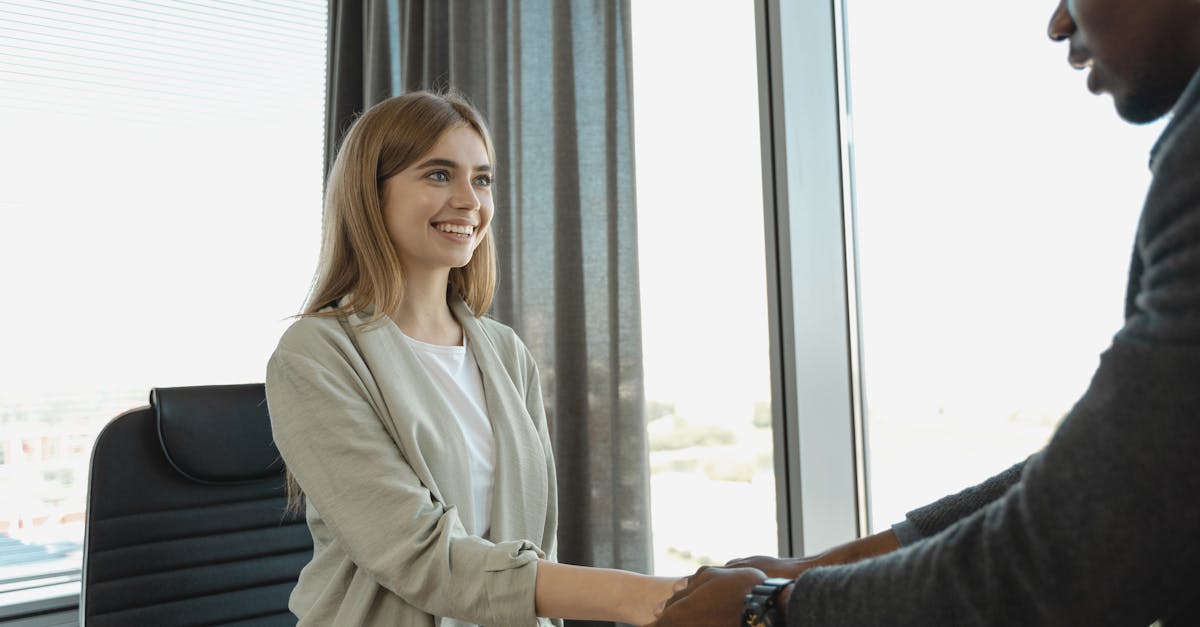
column 385, row 471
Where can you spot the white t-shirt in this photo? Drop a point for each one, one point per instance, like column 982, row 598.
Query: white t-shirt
column 455, row 373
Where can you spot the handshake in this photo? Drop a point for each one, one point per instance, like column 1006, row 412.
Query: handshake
column 717, row 596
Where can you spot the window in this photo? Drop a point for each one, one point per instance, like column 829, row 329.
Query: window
column 994, row 238
column 161, row 218
column 703, row 281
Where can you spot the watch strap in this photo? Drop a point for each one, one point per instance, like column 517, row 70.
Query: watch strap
column 761, row 608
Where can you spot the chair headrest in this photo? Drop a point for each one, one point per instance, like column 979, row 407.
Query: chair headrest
column 217, row 433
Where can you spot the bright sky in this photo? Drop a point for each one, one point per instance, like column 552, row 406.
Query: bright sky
column 996, row 200
column 700, row 215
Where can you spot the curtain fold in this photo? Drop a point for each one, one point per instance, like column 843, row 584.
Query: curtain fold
column 553, row 80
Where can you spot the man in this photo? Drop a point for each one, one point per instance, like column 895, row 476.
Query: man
column 1102, row 526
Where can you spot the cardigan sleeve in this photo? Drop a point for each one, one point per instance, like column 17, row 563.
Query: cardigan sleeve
column 389, row 524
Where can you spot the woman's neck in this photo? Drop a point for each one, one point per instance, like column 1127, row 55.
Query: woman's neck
column 424, row 314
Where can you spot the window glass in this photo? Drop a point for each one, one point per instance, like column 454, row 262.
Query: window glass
column 703, row 282
column 996, row 204
column 159, row 222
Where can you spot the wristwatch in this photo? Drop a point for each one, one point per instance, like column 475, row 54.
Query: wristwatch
column 762, row 604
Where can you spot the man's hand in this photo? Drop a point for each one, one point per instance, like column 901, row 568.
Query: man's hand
column 788, row 567
column 713, row 597
column 791, row 568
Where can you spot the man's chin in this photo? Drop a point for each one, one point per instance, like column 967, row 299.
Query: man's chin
column 1138, row 114
column 1143, row 106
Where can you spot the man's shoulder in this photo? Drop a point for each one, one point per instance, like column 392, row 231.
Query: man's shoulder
column 1165, row 276
column 1179, row 139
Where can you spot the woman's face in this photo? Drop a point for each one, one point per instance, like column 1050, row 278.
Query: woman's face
column 437, row 210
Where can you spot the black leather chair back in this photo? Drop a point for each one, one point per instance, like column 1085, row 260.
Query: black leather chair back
column 186, row 520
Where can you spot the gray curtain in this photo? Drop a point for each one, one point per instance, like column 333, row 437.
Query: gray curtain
column 552, row 77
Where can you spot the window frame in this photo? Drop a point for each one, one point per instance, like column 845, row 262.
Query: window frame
column 816, row 375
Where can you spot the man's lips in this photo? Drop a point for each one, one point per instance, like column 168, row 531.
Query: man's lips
column 1093, row 82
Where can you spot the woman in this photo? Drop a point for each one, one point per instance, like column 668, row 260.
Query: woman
column 414, row 425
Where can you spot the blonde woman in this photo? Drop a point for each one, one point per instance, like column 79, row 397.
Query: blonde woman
column 413, row 427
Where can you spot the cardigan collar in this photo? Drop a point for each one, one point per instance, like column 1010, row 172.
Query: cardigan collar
column 521, row 488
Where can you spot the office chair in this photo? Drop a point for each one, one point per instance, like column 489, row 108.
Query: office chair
column 186, row 520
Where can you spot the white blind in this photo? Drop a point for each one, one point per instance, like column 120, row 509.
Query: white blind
column 161, row 58
column 160, row 201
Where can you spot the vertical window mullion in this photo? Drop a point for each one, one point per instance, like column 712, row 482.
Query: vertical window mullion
column 812, row 297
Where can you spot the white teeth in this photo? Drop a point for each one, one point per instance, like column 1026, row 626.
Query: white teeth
column 456, row 228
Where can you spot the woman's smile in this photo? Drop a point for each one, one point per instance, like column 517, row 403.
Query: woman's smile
column 455, row 232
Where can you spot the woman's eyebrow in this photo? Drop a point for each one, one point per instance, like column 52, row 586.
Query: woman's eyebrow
column 453, row 165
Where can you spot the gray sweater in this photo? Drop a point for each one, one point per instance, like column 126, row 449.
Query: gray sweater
column 1102, row 526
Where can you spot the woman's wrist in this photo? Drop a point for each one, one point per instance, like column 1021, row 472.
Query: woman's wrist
column 640, row 596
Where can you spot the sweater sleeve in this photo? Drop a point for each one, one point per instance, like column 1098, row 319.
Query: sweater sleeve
column 388, row 523
column 1100, row 528
column 933, row 518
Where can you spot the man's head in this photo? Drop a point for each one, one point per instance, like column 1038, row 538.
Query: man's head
column 1143, row 52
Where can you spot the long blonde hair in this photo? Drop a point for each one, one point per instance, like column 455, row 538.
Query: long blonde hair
column 359, row 267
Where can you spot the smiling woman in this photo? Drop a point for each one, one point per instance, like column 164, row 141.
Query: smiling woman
column 414, row 425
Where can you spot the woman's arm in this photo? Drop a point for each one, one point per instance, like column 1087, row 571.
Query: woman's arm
column 582, row 593
column 579, row 592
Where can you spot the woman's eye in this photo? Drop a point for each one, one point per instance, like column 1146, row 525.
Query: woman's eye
column 440, row 176
column 483, row 180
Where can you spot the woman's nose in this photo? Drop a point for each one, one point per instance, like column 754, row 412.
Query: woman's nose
column 464, row 196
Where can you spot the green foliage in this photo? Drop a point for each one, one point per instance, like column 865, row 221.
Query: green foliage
column 740, row 470
column 688, row 556
column 659, row 409
column 685, row 435
column 762, row 415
